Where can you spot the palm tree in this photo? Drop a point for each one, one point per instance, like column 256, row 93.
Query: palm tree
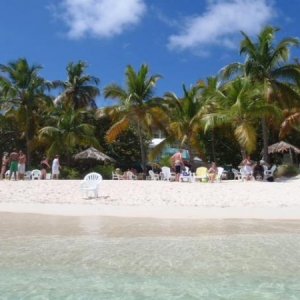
column 78, row 90
column 23, row 91
column 240, row 105
column 183, row 121
column 68, row 131
column 210, row 89
column 137, row 105
column 266, row 63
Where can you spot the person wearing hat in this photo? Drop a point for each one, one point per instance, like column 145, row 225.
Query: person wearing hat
column 5, row 161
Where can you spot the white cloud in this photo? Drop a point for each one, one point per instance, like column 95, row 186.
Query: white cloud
column 100, row 18
column 221, row 23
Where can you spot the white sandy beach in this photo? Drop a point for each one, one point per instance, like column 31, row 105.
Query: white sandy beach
column 156, row 199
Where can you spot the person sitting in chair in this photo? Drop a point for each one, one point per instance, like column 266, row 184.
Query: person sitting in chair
column 258, row 171
column 212, row 172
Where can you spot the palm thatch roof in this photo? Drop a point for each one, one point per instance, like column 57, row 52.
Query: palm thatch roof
column 92, row 153
column 283, row 147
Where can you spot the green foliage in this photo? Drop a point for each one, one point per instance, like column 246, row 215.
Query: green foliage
column 70, row 173
column 126, row 148
column 105, row 170
column 286, row 171
column 165, row 161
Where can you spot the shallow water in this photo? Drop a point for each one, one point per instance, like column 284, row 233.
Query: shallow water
column 52, row 257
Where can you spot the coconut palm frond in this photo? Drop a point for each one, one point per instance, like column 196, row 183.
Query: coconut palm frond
column 116, row 129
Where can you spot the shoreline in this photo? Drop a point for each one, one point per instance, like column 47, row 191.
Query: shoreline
column 188, row 213
column 156, row 199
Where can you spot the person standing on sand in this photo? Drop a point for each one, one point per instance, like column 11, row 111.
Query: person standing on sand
column 5, row 161
column 21, row 165
column 55, row 167
column 44, row 167
column 247, row 167
column 13, row 168
column 176, row 161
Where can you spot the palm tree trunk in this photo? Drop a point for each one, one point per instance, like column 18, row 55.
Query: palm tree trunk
column 243, row 152
column 27, row 143
column 213, row 145
column 143, row 155
column 265, row 136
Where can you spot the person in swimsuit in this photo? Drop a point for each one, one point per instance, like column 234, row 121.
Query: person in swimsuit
column 5, row 161
column 44, row 167
column 212, row 172
column 176, row 161
column 13, row 168
column 247, row 167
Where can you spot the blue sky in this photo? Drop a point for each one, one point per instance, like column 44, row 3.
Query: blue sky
column 182, row 40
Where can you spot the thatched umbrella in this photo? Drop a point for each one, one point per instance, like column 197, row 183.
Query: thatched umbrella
column 93, row 153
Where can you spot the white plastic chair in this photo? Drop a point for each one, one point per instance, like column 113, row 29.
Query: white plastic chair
column 152, row 176
column 35, row 174
column 237, row 174
column 131, row 176
column 27, row 175
column 219, row 175
column 90, row 184
column 244, row 175
column 186, row 176
column 269, row 173
column 116, row 176
column 166, row 174
column 6, row 175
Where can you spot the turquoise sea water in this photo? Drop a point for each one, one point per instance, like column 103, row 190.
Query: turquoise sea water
column 50, row 257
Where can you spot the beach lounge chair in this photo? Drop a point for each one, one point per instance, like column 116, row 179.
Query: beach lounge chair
column 166, row 174
column 116, row 176
column 152, row 176
column 35, row 174
column 130, row 176
column 237, row 174
column 90, row 184
column 200, row 174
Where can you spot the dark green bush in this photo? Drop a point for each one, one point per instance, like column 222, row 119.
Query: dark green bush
column 286, row 171
column 69, row 173
column 105, row 170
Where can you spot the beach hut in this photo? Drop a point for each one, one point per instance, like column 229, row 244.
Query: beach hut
column 286, row 149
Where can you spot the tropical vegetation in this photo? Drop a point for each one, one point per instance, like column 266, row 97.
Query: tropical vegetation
column 241, row 110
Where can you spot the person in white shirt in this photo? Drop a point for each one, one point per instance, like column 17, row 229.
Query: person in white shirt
column 55, row 167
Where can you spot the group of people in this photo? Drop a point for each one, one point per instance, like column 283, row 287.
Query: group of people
column 257, row 170
column 16, row 161
column 17, row 165
column 45, row 167
column 178, row 164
